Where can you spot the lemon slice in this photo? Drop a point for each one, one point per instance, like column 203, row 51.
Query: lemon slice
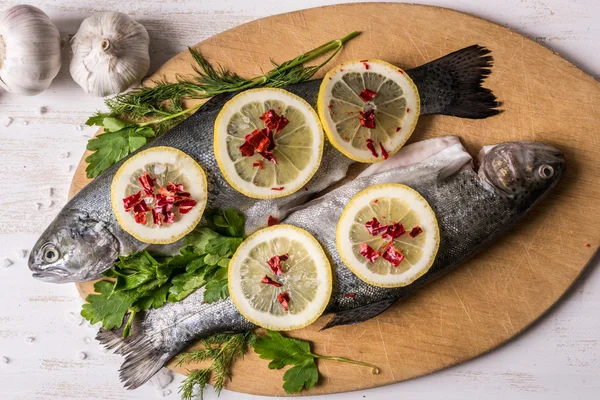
column 158, row 195
column 388, row 235
column 280, row 278
column 295, row 148
column 368, row 108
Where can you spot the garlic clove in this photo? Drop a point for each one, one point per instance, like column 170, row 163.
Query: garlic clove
column 30, row 54
column 110, row 53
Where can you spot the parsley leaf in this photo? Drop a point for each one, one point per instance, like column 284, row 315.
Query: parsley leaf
column 120, row 138
column 143, row 280
column 284, row 351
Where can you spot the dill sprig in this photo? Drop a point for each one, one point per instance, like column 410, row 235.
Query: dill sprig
column 223, row 349
column 162, row 104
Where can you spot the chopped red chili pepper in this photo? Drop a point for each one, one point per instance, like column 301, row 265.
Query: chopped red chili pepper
column 372, row 148
column 352, row 295
column 131, row 201
column 284, row 300
column 394, row 231
column 171, row 187
column 273, row 121
column 185, row 205
column 267, row 155
column 367, row 119
column 258, row 164
column 393, row 256
column 140, row 207
column 366, row 65
column 375, row 228
column 331, row 105
column 270, row 281
column 278, row 188
column 416, row 231
column 156, row 217
column 247, row 149
column 398, row 129
column 367, row 94
column 272, row 221
column 400, row 71
column 140, row 218
column 259, row 140
column 376, row 201
column 275, row 263
column 147, row 183
column 384, row 152
column 588, row 245
column 368, row 252
column 407, row 110
column 363, row 61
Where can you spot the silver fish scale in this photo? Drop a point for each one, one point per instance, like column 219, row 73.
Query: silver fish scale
column 469, row 215
column 194, row 136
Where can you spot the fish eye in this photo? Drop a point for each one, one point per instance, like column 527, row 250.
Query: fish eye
column 50, row 254
column 546, row 171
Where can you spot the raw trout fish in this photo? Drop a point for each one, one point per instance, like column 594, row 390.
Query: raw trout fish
column 85, row 238
column 473, row 208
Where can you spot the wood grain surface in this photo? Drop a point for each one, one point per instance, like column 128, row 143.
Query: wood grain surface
column 498, row 293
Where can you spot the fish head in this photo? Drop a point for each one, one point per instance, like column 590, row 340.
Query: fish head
column 523, row 171
column 74, row 248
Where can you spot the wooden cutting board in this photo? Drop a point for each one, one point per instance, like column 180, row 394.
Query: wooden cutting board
column 502, row 291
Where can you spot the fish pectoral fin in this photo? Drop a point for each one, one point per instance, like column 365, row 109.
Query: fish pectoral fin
column 142, row 358
column 359, row 314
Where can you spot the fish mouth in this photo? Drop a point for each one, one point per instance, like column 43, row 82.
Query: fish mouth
column 50, row 274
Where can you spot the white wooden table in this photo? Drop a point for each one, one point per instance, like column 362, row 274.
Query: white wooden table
column 40, row 333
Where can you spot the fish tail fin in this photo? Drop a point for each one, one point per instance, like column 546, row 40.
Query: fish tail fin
column 359, row 314
column 451, row 85
column 142, row 358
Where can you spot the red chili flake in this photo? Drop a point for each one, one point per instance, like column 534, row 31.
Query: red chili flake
column 416, row 231
column 375, row 228
column 367, row 119
column 140, row 218
column 172, row 187
column 169, row 218
column 272, row 221
column 407, row 110
column 259, row 140
column 274, row 121
column 258, row 164
column 400, row 71
column 384, row 152
column 185, row 205
column 277, row 188
column 364, row 60
column 376, row 201
column 366, row 65
column 393, row 256
column 341, row 69
column 284, row 300
column 267, row 155
column 147, row 183
column 368, row 252
column 367, row 94
column 398, row 129
column 394, row 231
column 275, row 263
column 270, row 281
column 131, row 201
column 588, row 245
column 247, row 149
column 372, row 148
column 330, row 106
column 306, row 188
column 352, row 295
column 156, row 218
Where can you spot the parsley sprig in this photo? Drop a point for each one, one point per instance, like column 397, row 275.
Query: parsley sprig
column 143, row 280
column 145, row 112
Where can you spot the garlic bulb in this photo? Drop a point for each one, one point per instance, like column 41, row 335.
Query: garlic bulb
column 110, row 53
column 30, row 55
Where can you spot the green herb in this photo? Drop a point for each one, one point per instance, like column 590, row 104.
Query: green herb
column 223, row 350
column 143, row 281
column 284, row 351
column 145, row 112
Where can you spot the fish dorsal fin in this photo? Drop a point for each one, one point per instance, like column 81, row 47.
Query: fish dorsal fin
column 360, row 314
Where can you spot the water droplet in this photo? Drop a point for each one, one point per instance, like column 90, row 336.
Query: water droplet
column 23, row 253
column 7, row 121
column 42, row 110
column 79, row 127
column 5, row 360
column 25, row 123
column 69, row 168
column 7, row 263
column 87, row 340
column 166, row 392
column 30, row 339
column 66, row 154
column 75, row 318
column 50, row 204
column 38, row 206
column 245, row 119
column 82, row 355
column 51, row 191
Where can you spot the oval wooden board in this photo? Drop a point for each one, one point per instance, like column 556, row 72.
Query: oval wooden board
column 499, row 293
